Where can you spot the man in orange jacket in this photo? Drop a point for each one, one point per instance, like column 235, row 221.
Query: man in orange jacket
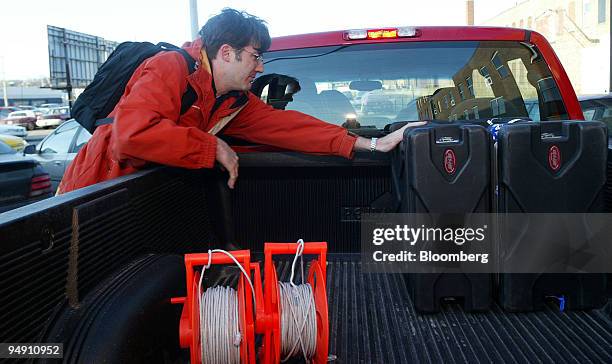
column 148, row 126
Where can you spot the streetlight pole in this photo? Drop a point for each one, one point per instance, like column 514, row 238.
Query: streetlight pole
column 5, row 96
column 67, row 67
column 4, row 92
column 470, row 12
column 193, row 13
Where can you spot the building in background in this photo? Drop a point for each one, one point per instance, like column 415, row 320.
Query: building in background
column 579, row 32
column 32, row 96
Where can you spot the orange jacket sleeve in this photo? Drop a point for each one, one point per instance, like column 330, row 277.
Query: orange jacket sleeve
column 261, row 123
column 145, row 125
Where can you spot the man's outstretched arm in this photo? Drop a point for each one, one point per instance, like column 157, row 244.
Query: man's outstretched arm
column 292, row 130
column 386, row 143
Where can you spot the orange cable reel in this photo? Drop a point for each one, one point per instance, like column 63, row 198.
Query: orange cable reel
column 190, row 324
column 269, row 314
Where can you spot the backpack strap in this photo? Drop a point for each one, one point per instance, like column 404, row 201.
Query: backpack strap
column 190, row 96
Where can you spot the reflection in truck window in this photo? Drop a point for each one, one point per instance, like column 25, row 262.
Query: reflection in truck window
column 482, row 84
column 463, row 80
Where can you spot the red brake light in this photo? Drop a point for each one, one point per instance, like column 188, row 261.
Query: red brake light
column 40, row 184
column 382, row 33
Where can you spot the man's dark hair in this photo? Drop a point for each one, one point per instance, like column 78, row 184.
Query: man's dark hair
column 236, row 28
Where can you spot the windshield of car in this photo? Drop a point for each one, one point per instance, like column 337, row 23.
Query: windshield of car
column 378, row 84
column 599, row 109
column 5, row 149
column 52, row 111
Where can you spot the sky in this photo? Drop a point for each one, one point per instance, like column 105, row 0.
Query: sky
column 23, row 23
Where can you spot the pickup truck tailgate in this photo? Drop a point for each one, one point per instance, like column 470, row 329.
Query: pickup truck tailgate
column 372, row 320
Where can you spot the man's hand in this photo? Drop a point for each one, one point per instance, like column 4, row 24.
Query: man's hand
column 228, row 160
column 388, row 142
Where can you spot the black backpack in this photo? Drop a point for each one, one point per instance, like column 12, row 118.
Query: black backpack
column 100, row 97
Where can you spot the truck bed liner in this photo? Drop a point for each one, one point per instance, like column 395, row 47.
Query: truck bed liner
column 372, row 320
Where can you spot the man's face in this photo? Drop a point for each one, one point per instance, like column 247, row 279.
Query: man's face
column 244, row 67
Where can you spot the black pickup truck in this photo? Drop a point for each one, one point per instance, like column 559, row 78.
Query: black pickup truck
column 95, row 268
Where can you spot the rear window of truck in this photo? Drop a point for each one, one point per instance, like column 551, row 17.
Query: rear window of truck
column 378, row 84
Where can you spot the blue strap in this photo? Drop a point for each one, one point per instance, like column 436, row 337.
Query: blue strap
column 103, row 122
column 561, row 303
column 561, row 300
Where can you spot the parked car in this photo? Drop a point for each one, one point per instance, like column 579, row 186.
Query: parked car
column 598, row 107
column 22, row 180
column 26, row 107
column 53, row 117
column 6, row 110
column 15, row 130
column 40, row 111
column 408, row 113
column 16, row 143
column 59, row 148
column 25, row 118
column 50, row 106
column 377, row 102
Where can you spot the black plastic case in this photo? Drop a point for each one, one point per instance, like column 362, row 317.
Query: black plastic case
column 445, row 168
column 551, row 167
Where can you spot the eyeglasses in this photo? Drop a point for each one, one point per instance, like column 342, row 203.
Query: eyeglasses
column 258, row 57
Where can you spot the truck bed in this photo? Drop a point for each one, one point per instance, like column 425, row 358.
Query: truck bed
column 372, row 320
column 168, row 211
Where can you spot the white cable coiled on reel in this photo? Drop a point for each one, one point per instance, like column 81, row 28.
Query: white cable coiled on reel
column 219, row 327
column 298, row 315
column 219, row 330
column 298, row 323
